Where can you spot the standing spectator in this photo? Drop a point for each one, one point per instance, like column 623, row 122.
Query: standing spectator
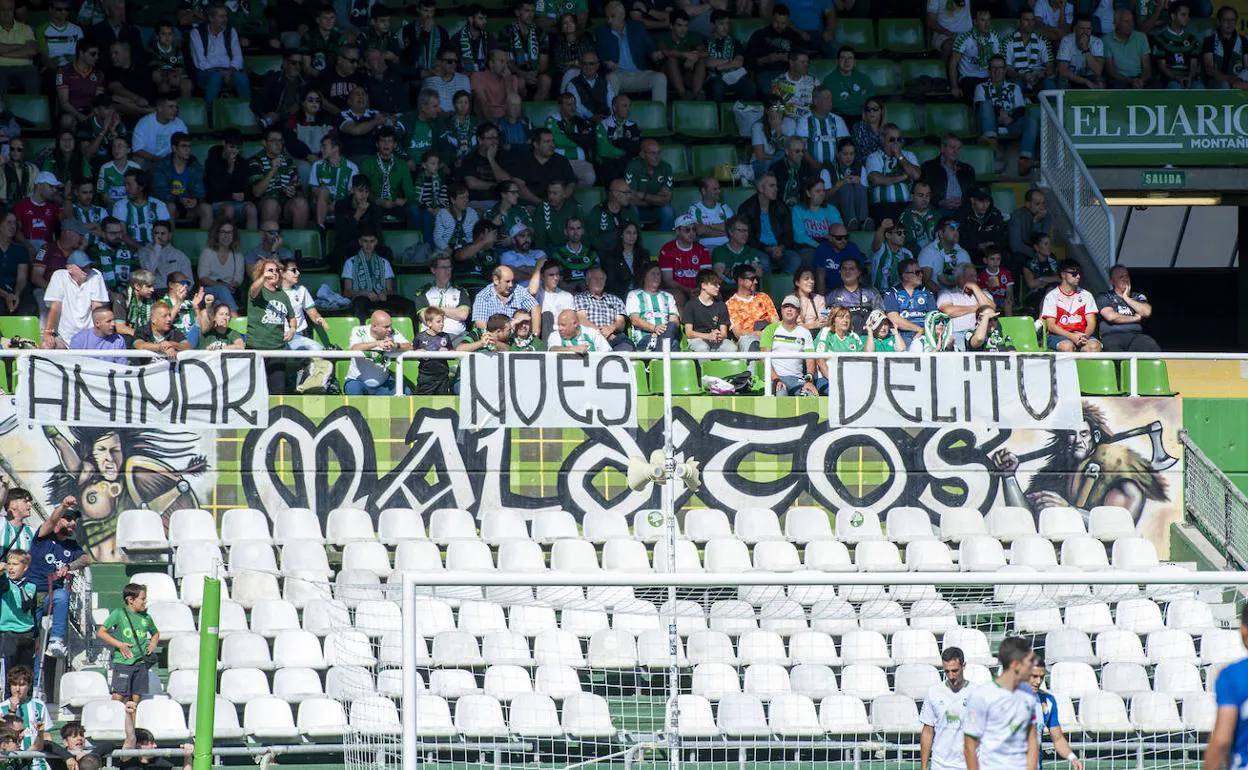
column 1178, row 51
column 390, row 180
column 683, row 54
column 749, row 310
column 218, row 55
column 132, row 633
column 71, row 296
column 38, row 214
column 368, row 281
column 908, row 303
column 771, row 225
column 54, row 558
column 790, row 376
column 983, row 227
column 652, row 312
column 822, row 129
column 534, row 170
column 492, row 85
column 525, row 44
column 100, row 335
column 1127, row 60
column 961, row 302
column 1040, row 272
column 1081, row 57
column 221, row 264
column 627, row 52
column 950, row 179
column 1122, row 311
column 606, row 221
column 139, row 212
column 850, row 88
column 888, row 256
column 683, row 261
column 617, row 140
column 946, row 20
column 860, row 300
column 1225, row 52
column 161, row 258
column 17, row 593
column 503, row 296
column 725, row 62
column 997, row 281
column 1025, row 222
column 710, row 215
column 78, row 84
column 705, row 316
column 1028, row 57
column 1070, row 313
column 890, row 172
column 433, row 377
column 153, row 134
column 602, row 311
column 275, row 182
column 650, row 179
column 374, row 374
column 1002, row 112
column 767, row 51
column 270, row 319
column 940, row 257
column 17, row 62
column 226, row 182
column 446, row 81
column 972, row 50
column 179, row 180
column 451, row 300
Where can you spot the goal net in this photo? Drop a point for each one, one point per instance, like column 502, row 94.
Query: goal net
column 514, row 669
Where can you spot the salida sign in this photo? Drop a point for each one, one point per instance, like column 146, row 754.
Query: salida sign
column 1195, row 128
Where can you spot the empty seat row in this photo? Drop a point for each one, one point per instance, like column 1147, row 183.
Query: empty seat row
column 1177, row 678
column 1137, row 615
column 264, row 719
column 1120, row 646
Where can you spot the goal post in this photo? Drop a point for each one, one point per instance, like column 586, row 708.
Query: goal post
column 561, row 670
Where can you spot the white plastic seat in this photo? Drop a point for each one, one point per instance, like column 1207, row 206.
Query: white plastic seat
column 348, row 648
column 159, row 585
column 696, row 718
column 272, row 616
column 980, row 553
column 1199, row 712
column 417, row 556
column 193, row 524
column 827, row 556
column 573, row 555
column 557, row 647
column 196, row 557
column 303, row 556
column 521, row 556
column 452, row 683
column 857, row 525
column 710, row 647
column 956, row 524
column 793, row 716
column 1073, row 680
column 183, row 653
column 253, row 588
column 549, row 526
column 914, row 680
column 761, row 647
column 614, row 649
column 813, row 680
column 78, row 688
column 191, row 589
column 375, row 715
column 140, row 529
column 505, row 648
column 163, row 718
column 727, row 554
column 1141, row 616
column 895, row 714
column 754, row 525
column 396, row 525
column 433, row 717
column 915, row 646
column 864, row 681
column 1191, row 615
column 378, row 618
column 654, row 650
column 1090, row 618
column 715, row 680
column 1060, row 523
column 1008, row 523
column 878, row 556
column 270, row 719
column 225, row 726
column 480, row 618
column 844, row 715
column 501, row 526
column 806, row 524
column 1068, row 644
column 776, row 556
column 834, row 616
column 634, row 616
column 1126, row 679
column 601, row 526
column 506, row 682
column 1220, row 645
column 929, row 556
column 1120, row 646
column 906, row 525
column 1067, row 714
column 241, row 685
column 299, row 648
column 625, row 556
column 232, row 618
column 1103, row 712
column 447, row 524
column 530, row 620
column 349, row 525
column 686, row 557
column 742, row 716
column 1085, row 553
column 585, row 715
column 533, row 715
column 558, row 682
column 883, row 615
column 1134, row 553
column 346, row 683
column 972, row 642
column 104, row 720
column 687, row 613
column 433, row 615
column 935, row 615
column 355, row 586
column 733, row 617
column 244, row 525
column 1033, row 551
column 650, row 526
column 1110, row 522
column 705, row 524
column 368, row 556
column 1171, row 645
column 295, row 685
column 245, row 650
column 321, row 719
column 767, row 681
column 813, row 647
column 783, row 616
column 1177, row 678
column 469, row 556
column 808, row 596
column 455, row 649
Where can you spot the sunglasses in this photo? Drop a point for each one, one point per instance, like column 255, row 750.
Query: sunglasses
column 912, row 272
column 839, row 237
column 449, row 61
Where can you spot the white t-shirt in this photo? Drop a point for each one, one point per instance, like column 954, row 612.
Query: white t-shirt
column 586, row 335
column 152, row 136
column 450, row 297
column 1070, row 310
column 797, row 340
column 955, row 18
column 939, row 260
column 1053, row 17
column 713, row 215
column 963, row 323
column 370, row 369
column 1002, row 721
column 555, row 302
column 944, row 710
column 1068, row 51
column 301, row 300
column 76, row 300
column 348, row 269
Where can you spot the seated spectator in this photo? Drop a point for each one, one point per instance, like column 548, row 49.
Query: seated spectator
column 508, row 212
column 431, row 193
column 226, row 182
column 683, row 259
column 653, row 315
column 849, row 87
column 312, row 121
column 38, row 214
column 544, row 286
column 737, row 251
column 138, row 210
column 982, row 226
column 475, row 259
column 14, row 270
column 281, row 91
column 606, row 221
column 221, row 264
column 1081, row 57
column 356, row 213
column 368, row 281
column 650, row 179
column 838, row 336
column 626, row 50
column 67, row 237
column 792, row 171
column 571, row 336
column 749, row 310
column 771, row 225
column 997, row 281
column 831, row 255
column 271, row 245
column 503, row 296
column 705, row 316
column 387, row 90
column 683, row 56
column 1051, row 18
column 812, row 309
column 890, row 172
column 961, row 302
column 185, row 306
column 1070, row 313
column 321, row 40
column 709, row 215
column 599, row 310
column 1127, row 60
column 987, row 334
column 939, row 258
column 270, row 319
column 335, row 83
column 859, row 299
column 525, row 44
column 304, row 305
column 791, row 376
column 161, row 257
column 617, row 140
column 794, row 90
column 534, row 170
column 100, row 335
column 522, row 257
column 330, row 178
column 390, row 180
column 882, row 336
column 725, row 62
column 134, row 309
column 1224, row 53
column 78, row 83
column 621, row 263
column 1177, row 50
column 472, row 41
column 847, row 192
column 72, row 295
column 160, row 335
column 1028, row 56
column 452, row 301
column 218, row 55
column 1040, row 273
column 1025, row 222
column 455, row 135
column 768, row 141
column 950, row 179
column 492, row 86
column 154, row 131
column 215, row 332
column 19, row 175
column 373, row 375
column 1002, row 112
column 1122, row 311
column 275, row 183
column 946, row 21
column 767, row 50
column 552, row 214
column 421, row 127
column 522, row 338
column 908, row 303
column 971, row 51
column 494, row 338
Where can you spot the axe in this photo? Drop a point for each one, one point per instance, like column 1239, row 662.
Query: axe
column 1161, row 460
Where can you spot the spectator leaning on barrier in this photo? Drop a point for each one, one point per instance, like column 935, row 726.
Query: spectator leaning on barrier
column 1122, row 312
column 451, row 300
column 160, row 336
column 1070, row 313
column 571, row 336
column 100, row 335
column 705, row 316
column 790, row 376
column 961, row 302
column 374, row 374
column 908, row 303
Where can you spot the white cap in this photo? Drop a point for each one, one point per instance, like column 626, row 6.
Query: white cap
column 47, row 177
column 684, row 220
column 518, row 228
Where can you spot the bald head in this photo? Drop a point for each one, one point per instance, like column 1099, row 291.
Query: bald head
column 569, row 324
column 380, row 324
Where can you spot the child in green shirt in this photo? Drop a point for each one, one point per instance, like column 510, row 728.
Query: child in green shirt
column 133, row 634
column 17, row 611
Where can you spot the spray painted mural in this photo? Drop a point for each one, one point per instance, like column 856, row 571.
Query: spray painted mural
column 375, row 453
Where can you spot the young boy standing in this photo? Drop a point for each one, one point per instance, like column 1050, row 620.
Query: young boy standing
column 17, row 611
column 32, row 711
column 133, row 634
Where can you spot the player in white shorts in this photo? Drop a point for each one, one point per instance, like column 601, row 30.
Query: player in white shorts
column 1000, row 721
column 941, row 745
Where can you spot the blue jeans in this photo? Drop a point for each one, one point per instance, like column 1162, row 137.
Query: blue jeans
column 1194, row 85
column 662, row 216
column 794, row 384
column 360, row 388
column 211, row 81
column 1024, row 127
column 789, row 262
column 60, row 612
column 222, row 295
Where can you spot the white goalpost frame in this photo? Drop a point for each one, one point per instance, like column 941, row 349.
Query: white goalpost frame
column 658, row 580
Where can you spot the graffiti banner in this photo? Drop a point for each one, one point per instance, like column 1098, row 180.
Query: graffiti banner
column 543, row 390
column 202, row 390
column 932, row 391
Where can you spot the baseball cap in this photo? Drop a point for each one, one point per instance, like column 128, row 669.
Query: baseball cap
column 47, row 177
column 791, row 301
column 75, row 226
column 981, row 194
column 80, row 258
column 518, row 228
column 684, row 220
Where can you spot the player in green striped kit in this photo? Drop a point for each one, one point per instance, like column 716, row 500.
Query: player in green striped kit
column 331, row 177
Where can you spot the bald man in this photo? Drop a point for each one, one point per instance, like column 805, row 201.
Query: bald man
column 374, row 374
column 571, row 336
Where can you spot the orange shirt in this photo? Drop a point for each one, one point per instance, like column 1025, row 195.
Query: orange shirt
column 743, row 313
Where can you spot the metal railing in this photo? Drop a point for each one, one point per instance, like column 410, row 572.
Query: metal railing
column 1064, row 174
column 1214, row 504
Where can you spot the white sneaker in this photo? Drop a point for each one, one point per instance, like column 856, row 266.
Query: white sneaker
column 56, row 648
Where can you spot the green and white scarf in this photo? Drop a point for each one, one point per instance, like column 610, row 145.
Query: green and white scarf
column 368, row 273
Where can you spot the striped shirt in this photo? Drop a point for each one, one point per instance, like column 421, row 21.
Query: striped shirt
column 1033, row 55
column 976, row 50
column 657, row 308
column 33, row 712
column 878, row 162
column 822, row 134
column 140, row 217
column 336, row 179
column 1005, row 95
column 711, row 215
column 16, row 536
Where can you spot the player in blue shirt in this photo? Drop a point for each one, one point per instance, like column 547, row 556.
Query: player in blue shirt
column 1047, row 721
column 1230, row 730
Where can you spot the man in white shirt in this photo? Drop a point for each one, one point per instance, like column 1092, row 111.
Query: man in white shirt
column 941, row 745
column 154, row 131
column 373, row 375
column 791, row 376
column 709, row 215
column 72, row 295
column 449, row 299
column 1000, row 723
column 939, row 258
column 961, row 302
column 1081, row 57
column 544, row 287
column 571, row 336
column 217, row 54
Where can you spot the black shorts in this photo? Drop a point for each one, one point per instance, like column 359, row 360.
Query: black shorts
column 129, row 679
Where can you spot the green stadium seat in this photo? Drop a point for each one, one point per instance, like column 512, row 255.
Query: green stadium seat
column 821, row 68
column 1154, row 378
column 643, row 378
column 677, row 155
column 190, row 241
column 1021, row 331
column 588, row 197
column 907, row 116
column 924, row 152
column 194, row 114
column 883, row 73
column 314, row 281
column 493, row 27
column 913, row 69
column 338, row 334
column 651, row 118
column 32, row 108
column 404, row 325
column 537, row 112
column 1098, row 377
column 24, row 326
column 735, row 196
column 706, row 158
column 982, row 159
column 902, row 36
column 654, row 240
column 684, row 197
column 956, row 119
column 778, row 286
column 859, row 33
column 239, row 324
column 728, row 119
column 261, row 65
column 1004, row 27
column 399, row 241
column 696, row 119
column 305, row 242
column 411, row 284
column 685, row 379
column 1004, row 200
column 863, row 238
column 200, row 148
column 741, row 29
column 1201, row 28
column 234, row 113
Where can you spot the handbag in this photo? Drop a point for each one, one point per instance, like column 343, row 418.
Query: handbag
column 150, row 659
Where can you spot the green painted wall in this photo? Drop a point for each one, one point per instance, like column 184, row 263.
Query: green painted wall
column 1219, row 426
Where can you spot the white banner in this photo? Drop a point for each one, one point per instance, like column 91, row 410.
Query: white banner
column 209, row 391
column 547, row 390
column 935, row 391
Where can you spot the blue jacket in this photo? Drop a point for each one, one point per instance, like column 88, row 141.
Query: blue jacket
column 639, row 42
column 164, row 177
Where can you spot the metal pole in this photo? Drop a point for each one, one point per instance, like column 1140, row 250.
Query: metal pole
column 206, row 696
column 1226, row 525
column 668, row 501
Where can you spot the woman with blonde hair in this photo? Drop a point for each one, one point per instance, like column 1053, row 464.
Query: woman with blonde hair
column 221, row 264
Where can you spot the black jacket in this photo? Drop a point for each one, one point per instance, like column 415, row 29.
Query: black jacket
column 781, row 221
column 936, row 175
column 977, row 233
